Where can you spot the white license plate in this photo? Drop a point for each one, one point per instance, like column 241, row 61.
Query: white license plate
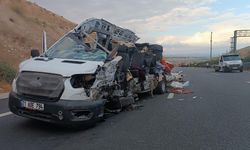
column 32, row 105
column 235, row 67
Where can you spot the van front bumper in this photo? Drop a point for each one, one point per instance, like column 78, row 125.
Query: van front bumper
column 233, row 67
column 68, row 112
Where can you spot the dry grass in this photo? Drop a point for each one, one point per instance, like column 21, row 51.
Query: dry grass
column 7, row 73
column 21, row 27
column 4, row 87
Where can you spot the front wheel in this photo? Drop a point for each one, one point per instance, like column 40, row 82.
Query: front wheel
column 222, row 69
column 241, row 70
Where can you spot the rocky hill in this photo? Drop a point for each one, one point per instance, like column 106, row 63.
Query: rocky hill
column 21, row 27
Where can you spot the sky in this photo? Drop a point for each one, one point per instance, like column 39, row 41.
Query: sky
column 183, row 27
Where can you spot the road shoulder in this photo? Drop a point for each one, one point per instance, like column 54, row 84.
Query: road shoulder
column 4, row 95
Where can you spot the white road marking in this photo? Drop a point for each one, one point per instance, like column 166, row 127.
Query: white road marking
column 170, row 95
column 248, row 82
column 216, row 74
column 181, row 99
column 5, row 114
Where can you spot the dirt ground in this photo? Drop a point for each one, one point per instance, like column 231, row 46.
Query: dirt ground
column 21, row 27
column 4, row 87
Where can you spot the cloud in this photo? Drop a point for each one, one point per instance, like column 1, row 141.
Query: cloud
column 222, row 30
column 149, row 28
column 221, row 25
column 182, row 26
column 174, row 17
column 171, row 40
column 113, row 10
column 198, row 2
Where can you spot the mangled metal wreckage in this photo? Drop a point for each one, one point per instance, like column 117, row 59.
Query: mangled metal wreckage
column 95, row 67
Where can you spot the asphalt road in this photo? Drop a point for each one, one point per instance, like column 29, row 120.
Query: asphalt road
column 215, row 116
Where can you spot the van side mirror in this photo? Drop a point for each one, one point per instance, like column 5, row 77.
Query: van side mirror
column 34, row 53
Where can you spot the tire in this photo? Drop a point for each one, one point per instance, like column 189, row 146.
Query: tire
column 222, row 69
column 241, row 70
column 161, row 87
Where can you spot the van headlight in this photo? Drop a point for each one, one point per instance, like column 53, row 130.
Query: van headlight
column 227, row 64
column 82, row 81
column 14, row 86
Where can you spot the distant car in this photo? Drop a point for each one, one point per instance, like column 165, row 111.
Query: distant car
column 229, row 62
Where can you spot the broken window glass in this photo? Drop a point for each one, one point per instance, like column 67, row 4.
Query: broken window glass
column 70, row 47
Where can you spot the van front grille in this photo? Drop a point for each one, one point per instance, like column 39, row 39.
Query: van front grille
column 40, row 86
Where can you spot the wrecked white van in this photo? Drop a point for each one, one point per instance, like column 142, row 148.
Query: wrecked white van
column 95, row 67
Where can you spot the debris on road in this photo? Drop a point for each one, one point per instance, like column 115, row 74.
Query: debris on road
column 177, row 85
column 170, row 96
column 178, row 76
column 180, row 91
column 133, row 107
column 172, row 76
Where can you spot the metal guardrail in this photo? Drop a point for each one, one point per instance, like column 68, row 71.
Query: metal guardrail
column 246, row 65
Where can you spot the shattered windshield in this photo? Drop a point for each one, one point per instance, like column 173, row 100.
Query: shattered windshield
column 231, row 57
column 70, row 47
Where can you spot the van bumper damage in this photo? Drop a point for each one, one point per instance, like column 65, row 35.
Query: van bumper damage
column 71, row 112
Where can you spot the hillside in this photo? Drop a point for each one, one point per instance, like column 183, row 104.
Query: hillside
column 21, row 26
column 245, row 52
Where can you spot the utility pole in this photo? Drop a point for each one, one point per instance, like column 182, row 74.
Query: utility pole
column 235, row 41
column 211, row 46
